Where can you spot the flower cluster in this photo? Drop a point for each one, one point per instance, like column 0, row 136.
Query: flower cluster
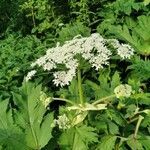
column 30, row 75
column 63, row 122
column 92, row 48
column 125, row 51
column 123, row 90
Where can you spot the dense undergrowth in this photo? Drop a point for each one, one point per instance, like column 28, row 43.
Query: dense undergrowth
column 89, row 93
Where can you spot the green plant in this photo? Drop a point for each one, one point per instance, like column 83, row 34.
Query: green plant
column 98, row 104
column 42, row 15
column 16, row 54
column 136, row 33
column 28, row 126
column 96, row 90
column 116, row 13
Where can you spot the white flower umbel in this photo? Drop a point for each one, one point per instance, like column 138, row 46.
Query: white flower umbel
column 125, row 51
column 30, row 75
column 123, row 90
column 93, row 49
column 63, row 122
column 63, row 78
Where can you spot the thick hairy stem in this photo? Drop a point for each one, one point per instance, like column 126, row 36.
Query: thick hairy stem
column 138, row 125
column 80, row 87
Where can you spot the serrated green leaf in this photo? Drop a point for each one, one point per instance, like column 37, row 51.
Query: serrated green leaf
column 87, row 134
column 11, row 136
column 31, row 116
column 134, row 144
column 116, row 116
column 145, row 141
column 107, row 143
column 113, row 128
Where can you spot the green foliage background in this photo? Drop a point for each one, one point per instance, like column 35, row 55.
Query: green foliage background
column 27, row 29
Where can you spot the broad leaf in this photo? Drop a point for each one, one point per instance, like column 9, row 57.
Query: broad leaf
column 11, row 136
column 31, row 116
column 107, row 143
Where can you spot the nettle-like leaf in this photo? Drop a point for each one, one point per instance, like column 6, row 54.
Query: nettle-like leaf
column 116, row 116
column 11, row 137
column 126, row 6
column 146, row 123
column 138, row 36
column 78, row 138
column 141, row 69
column 145, row 142
column 107, row 143
column 141, row 143
column 143, row 98
column 106, row 86
column 72, row 30
column 31, row 116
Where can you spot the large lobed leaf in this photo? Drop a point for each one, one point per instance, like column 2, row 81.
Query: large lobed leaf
column 11, row 137
column 32, row 118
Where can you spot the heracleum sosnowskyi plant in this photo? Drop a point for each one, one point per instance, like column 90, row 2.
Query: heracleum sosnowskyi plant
column 68, row 62
column 78, row 55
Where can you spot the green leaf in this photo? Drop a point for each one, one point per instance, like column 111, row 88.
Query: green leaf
column 146, row 2
column 113, row 128
column 107, row 143
column 66, row 139
column 139, row 37
column 72, row 30
column 116, row 117
column 11, row 136
column 145, row 141
column 78, row 138
column 134, row 143
column 87, row 134
column 31, row 116
column 143, row 98
column 146, row 121
column 115, row 80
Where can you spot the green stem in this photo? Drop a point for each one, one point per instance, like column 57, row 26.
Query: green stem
column 103, row 99
column 138, row 125
column 33, row 17
column 132, row 120
column 64, row 100
column 80, row 87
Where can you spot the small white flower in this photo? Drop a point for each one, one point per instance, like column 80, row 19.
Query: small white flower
column 63, row 122
column 30, row 75
column 125, row 51
column 123, row 90
column 49, row 66
column 63, row 78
